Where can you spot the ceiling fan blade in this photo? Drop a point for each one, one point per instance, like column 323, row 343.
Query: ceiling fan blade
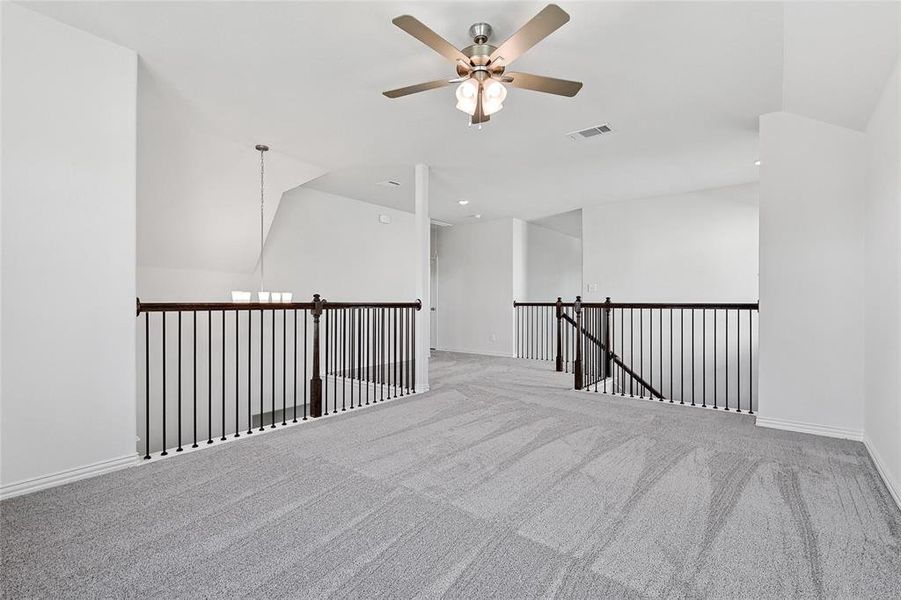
column 431, row 39
column 540, row 83
column 419, row 87
column 546, row 22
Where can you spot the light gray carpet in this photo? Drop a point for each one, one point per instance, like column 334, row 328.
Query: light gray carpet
column 498, row 483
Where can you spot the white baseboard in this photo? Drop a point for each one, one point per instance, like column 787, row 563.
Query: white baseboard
column 815, row 429
column 477, row 352
column 54, row 479
column 894, row 487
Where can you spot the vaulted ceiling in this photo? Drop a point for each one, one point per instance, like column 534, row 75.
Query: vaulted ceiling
column 681, row 84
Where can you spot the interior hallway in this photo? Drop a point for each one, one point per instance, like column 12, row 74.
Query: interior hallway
column 500, row 482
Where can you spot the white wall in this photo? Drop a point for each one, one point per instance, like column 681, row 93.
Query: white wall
column 69, row 122
column 336, row 246
column 882, row 408
column 199, row 189
column 812, row 189
column 553, row 265
column 476, row 286
column 694, row 247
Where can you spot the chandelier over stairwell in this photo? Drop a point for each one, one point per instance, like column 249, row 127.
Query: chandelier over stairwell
column 262, row 294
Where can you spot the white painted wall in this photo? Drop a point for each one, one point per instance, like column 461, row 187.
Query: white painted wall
column 812, row 190
column 69, row 128
column 882, row 408
column 476, row 287
column 199, row 188
column 694, row 247
column 553, row 264
column 336, row 246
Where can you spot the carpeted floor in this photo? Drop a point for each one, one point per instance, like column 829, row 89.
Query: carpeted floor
column 498, row 483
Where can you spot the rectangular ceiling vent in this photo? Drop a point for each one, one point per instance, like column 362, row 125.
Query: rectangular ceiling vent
column 590, row 132
column 389, row 183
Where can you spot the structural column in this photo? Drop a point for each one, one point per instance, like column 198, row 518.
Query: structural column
column 423, row 274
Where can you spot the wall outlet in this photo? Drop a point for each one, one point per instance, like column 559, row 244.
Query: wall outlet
column 384, row 219
column 492, row 337
column 591, row 287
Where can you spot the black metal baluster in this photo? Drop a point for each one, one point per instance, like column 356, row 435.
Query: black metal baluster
column 384, row 363
column 394, row 311
column 367, row 350
column 147, row 386
column 262, row 371
column 352, row 351
column 325, row 382
column 750, row 362
column 284, row 367
column 179, row 449
column 631, row 351
column 715, row 378
column 359, row 369
column 237, row 373
column 250, row 370
column 335, row 364
column 413, row 350
column 194, row 379
column 164, row 453
column 641, row 348
column 343, row 359
column 693, row 357
column 704, row 358
column 224, row 346
column 681, row 356
column 305, row 390
column 727, row 359
column 671, row 384
column 272, row 358
column 294, row 356
column 650, row 350
column 737, row 360
column 209, row 377
column 660, row 327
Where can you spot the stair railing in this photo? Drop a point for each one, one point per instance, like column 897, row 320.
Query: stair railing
column 697, row 354
column 244, row 367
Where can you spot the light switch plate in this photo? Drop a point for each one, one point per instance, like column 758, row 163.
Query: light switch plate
column 385, row 219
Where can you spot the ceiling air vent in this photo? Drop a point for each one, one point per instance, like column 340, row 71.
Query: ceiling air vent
column 590, row 132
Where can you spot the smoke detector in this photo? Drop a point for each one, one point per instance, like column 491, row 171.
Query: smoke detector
column 590, row 132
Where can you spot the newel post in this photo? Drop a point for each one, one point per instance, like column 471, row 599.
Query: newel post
column 316, row 380
column 608, row 355
column 559, row 360
column 577, row 363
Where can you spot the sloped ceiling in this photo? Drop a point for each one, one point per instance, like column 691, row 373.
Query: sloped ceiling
column 681, row 83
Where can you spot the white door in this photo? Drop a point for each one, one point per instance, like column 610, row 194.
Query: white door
column 433, row 295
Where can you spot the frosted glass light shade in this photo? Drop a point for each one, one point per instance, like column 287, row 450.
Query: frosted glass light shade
column 276, row 297
column 238, row 296
column 286, row 297
column 468, row 96
column 493, row 95
column 263, row 296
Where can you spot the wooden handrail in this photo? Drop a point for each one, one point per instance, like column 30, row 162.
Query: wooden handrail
column 146, row 307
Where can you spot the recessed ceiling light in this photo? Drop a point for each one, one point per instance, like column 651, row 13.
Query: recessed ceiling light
column 477, row 216
column 462, row 202
column 756, row 163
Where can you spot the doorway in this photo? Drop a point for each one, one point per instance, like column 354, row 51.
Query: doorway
column 433, row 300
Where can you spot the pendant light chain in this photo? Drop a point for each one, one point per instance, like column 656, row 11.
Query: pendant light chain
column 262, row 148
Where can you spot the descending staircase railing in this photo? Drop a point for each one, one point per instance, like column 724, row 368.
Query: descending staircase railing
column 698, row 354
column 212, row 371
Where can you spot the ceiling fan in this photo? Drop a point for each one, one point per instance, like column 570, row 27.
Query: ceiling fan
column 481, row 66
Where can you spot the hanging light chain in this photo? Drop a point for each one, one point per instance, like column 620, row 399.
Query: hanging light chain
column 262, row 148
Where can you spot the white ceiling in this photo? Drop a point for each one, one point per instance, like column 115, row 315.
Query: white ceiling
column 682, row 85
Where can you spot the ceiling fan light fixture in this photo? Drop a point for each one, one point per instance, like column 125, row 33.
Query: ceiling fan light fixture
column 468, row 96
